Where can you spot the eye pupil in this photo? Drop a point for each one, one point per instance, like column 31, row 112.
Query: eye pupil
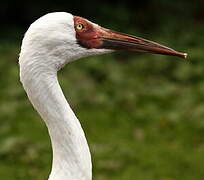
column 79, row 26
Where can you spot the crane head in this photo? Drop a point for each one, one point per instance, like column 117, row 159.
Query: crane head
column 58, row 38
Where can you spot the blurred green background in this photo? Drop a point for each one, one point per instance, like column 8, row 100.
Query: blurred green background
column 143, row 114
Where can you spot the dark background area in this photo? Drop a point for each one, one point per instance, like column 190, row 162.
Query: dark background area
column 143, row 114
column 143, row 15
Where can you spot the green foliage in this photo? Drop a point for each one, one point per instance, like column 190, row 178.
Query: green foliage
column 143, row 114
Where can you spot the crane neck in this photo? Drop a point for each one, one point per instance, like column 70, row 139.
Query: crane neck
column 71, row 155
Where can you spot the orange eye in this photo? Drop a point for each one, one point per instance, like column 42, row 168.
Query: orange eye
column 79, row 26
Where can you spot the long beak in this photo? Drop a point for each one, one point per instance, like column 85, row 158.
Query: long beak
column 120, row 41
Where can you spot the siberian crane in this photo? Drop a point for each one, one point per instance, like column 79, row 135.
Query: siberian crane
column 51, row 42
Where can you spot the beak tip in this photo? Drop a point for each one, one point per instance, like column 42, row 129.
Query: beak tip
column 185, row 55
column 182, row 55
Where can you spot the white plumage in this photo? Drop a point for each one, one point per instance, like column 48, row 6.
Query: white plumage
column 49, row 44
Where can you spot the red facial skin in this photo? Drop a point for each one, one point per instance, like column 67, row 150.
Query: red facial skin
column 88, row 36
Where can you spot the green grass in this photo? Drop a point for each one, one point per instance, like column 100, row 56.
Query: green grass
column 143, row 114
